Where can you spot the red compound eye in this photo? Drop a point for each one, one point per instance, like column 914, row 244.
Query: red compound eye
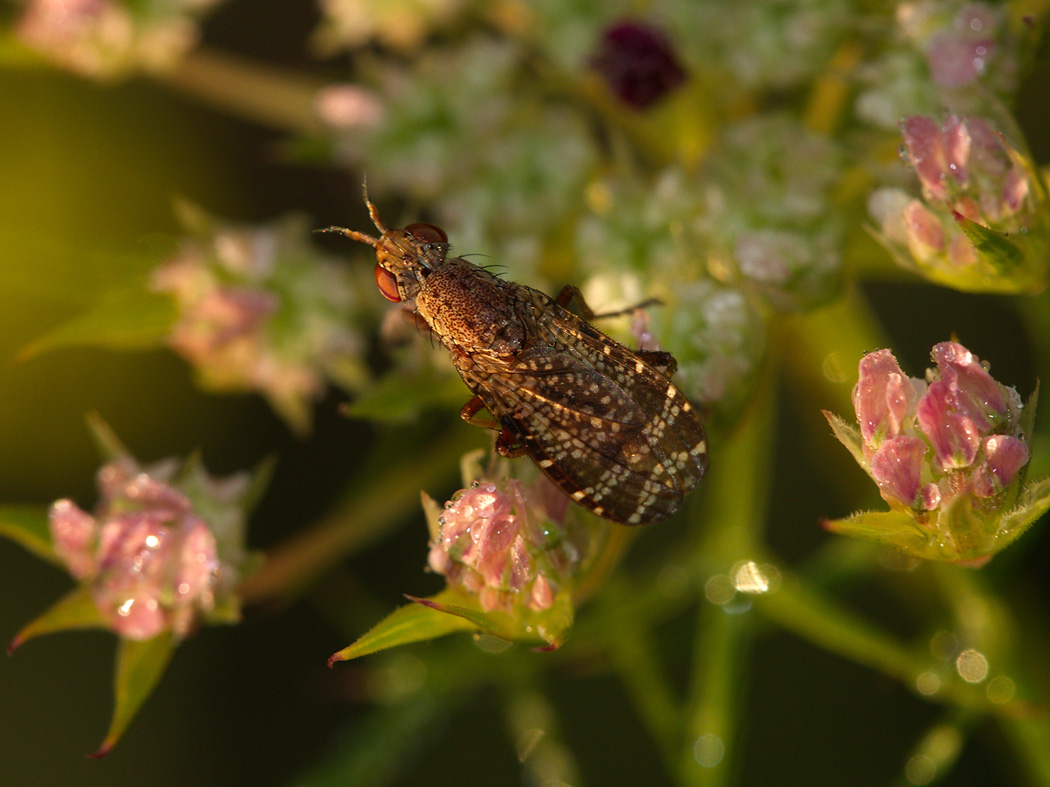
column 427, row 233
column 387, row 283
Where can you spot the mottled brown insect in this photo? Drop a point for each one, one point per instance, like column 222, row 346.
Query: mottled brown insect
column 605, row 424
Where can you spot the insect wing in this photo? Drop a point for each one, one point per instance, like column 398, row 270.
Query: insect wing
column 610, row 431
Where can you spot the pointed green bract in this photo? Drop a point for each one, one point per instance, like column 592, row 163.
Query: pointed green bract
column 75, row 610
column 849, row 436
column 140, row 666
column 964, row 542
column 450, row 611
column 412, row 623
column 1032, row 503
column 28, row 526
column 893, row 528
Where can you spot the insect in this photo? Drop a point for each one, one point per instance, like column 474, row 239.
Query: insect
column 605, row 424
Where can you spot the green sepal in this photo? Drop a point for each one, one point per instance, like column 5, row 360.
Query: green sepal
column 405, row 625
column 1018, row 260
column 139, row 667
column 894, row 528
column 1032, row 503
column 127, row 319
column 547, row 627
column 28, row 526
column 849, row 436
column 75, row 610
column 451, row 611
column 109, row 446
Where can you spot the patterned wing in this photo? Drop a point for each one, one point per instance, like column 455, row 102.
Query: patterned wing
column 610, row 431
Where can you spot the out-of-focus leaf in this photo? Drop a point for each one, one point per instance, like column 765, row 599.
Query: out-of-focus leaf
column 75, row 610
column 42, row 266
column 140, row 666
column 28, row 526
column 398, row 398
column 122, row 320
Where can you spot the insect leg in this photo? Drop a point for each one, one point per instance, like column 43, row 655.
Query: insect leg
column 571, row 296
column 470, row 411
column 507, row 444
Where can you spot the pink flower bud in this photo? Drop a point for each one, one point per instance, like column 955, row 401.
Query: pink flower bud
column 500, row 543
column 1004, row 456
column 882, row 397
column 925, row 235
column 934, row 156
column 954, row 436
column 973, row 388
column 151, row 563
column 897, row 467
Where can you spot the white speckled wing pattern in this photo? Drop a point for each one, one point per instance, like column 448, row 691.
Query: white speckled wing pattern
column 611, row 431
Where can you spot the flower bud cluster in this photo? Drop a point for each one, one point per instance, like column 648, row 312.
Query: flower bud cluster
column 509, row 545
column 106, row 39
column 152, row 562
column 947, row 453
column 972, row 180
column 258, row 311
column 930, row 442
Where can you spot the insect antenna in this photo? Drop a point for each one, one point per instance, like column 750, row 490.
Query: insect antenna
column 361, row 237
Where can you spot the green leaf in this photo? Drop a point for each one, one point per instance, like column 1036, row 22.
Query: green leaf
column 413, row 623
column 28, row 526
column 121, row 320
column 140, row 666
column 398, row 398
column 75, row 610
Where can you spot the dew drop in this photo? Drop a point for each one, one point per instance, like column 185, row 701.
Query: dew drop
column 972, row 666
column 708, row 750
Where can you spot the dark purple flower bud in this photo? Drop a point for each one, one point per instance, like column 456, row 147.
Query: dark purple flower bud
column 897, row 467
column 638, row 63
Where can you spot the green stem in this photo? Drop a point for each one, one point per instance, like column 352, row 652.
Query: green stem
column 636, row 662
column 823, row 347
column 798, row 609
column 255, row 92
column 737, row 502
column 359, row 521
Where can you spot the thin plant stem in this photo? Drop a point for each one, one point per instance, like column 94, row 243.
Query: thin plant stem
column 736, row 510
column 359, row 521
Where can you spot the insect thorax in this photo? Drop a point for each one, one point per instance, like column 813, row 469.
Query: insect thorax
column 467, row 307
